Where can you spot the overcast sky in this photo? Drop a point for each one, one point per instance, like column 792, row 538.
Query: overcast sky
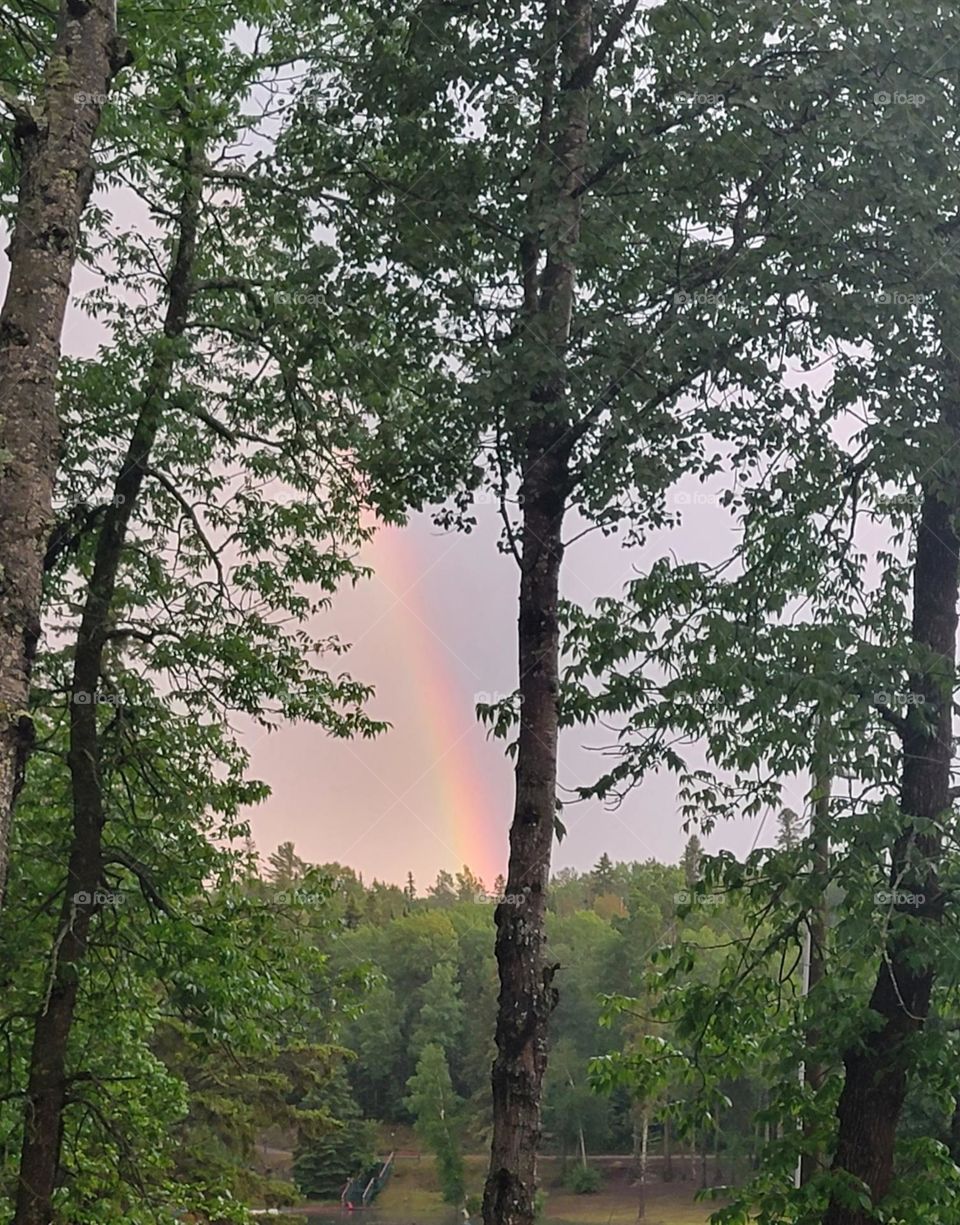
column 435, row 631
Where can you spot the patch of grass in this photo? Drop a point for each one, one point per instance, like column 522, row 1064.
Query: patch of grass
column 413, row 1195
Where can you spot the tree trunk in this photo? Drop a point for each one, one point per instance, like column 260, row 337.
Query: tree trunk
column 717, row 1164
column 667, row 1151
column 48, row 1083
column 54, row 144
column 877, row 1067
column 955, row 1131
column 644, row 1151
column 814, row 1073
column 527, row 996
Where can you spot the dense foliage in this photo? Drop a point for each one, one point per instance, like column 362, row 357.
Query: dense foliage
column 348, row 261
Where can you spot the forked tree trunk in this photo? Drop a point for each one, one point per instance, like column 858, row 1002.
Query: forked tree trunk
column 54, row 142
column 876, row 1069
column 48, row 1082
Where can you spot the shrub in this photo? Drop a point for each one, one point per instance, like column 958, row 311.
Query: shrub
column 582, row 1179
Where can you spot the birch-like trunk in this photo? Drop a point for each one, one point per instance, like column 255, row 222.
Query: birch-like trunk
column 54, row 141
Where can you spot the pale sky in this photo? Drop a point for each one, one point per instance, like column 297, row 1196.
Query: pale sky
column 434, row 631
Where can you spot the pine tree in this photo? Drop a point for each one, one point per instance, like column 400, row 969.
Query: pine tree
column 284, row 866
column 603, row 874
column 790, row 829
column 469, row 887
column 692, row 854
column 336, row 1145
column 443, row 890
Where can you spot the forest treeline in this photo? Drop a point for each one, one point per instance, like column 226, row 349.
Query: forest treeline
column 417, row 1040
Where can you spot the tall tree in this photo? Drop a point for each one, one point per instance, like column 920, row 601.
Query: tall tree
column 178, row 552
column 789, row 829
column 48, row 1082
column 878, row 657
column 878, row 1063
column 560, row 325
column 690, row 862
column 53, row 137
column 284, row 866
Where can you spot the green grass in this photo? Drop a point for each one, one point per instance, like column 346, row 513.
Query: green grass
column 413, row 1197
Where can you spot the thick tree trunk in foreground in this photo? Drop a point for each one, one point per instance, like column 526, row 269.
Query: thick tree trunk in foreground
column 48, row 1084
column 876, row 1070
column 54, row 143
column 526, row 992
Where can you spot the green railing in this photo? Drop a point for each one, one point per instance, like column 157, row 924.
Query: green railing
column 361, row 1191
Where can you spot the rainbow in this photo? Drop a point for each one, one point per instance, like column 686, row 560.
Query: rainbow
column 467, row 816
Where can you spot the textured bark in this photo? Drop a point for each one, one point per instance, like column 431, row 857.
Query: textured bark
column 48, row 1084
column 54, row 143
column 526, row 992
column 876, row 1069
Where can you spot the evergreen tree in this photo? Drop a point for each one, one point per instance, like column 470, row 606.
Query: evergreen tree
column 443, row 890
column 603, row 875
column 789, row 829
column 692, row 854
column 441, row 1012
column 285, row 868
column 335, row 1144
column 469, row 887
